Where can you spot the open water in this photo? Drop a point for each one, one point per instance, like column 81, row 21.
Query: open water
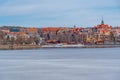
column 60, row 64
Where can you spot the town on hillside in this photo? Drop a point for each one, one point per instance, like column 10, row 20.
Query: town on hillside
column 99, row 34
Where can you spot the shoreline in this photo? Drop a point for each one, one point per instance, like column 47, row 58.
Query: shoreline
column 23, row 47
column 90, row 46
column 102, row 46
column 19, row 47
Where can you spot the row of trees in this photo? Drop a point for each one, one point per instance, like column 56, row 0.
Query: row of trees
column 6, row 39
column 65, row 37
column 22, row 40
column 59, row 36
column 81, row 37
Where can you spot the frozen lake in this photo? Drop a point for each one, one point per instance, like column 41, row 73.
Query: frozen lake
column 60, row 64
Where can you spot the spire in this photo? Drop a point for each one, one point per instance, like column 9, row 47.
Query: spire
column 102, row 22
column 74, row 26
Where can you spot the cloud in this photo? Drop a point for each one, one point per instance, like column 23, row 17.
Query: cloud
column 58, row 12
column 18, row 7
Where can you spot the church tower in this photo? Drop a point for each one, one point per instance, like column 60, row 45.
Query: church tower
column 102, row 22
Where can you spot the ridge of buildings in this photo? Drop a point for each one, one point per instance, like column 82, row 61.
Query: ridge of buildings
column 99, row 34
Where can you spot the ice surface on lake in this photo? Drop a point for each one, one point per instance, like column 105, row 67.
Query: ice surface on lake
column 60, row 64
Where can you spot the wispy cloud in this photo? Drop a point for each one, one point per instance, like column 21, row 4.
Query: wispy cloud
column 58, row 12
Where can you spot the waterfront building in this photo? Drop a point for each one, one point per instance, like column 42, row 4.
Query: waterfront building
column 103, row 32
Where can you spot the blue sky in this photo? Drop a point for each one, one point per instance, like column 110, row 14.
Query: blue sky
column 46, row 13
